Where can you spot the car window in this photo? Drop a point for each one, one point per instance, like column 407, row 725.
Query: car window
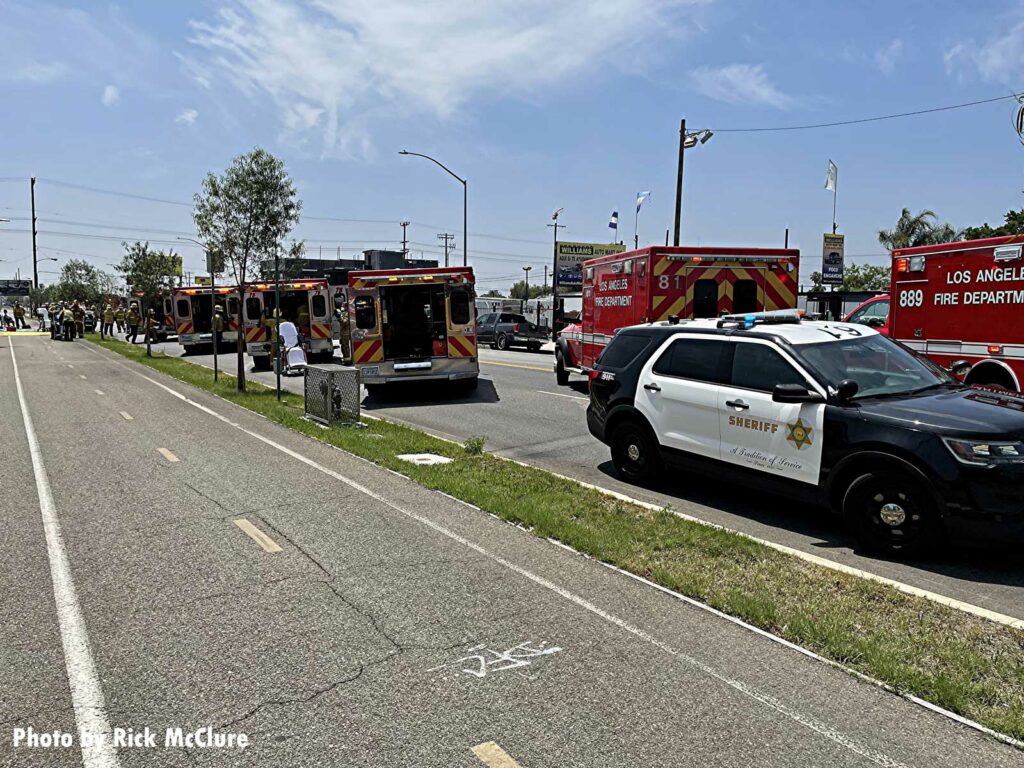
column 459, row 307
column 506, row 318
column 366, row 312
column 623, row 350
column 697, row 359
column 759, row 367
column 184, row 310
column 319, row 306
column 486, row 319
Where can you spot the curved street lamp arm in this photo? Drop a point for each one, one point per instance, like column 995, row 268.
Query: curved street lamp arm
column 436, row 162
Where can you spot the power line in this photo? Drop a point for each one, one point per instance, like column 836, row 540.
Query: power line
column 866, row 119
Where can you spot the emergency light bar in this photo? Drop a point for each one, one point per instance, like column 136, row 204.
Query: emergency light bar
column 773, row 317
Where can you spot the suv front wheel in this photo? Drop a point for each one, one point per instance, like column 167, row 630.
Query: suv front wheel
column 891, row 513
column 635, row 454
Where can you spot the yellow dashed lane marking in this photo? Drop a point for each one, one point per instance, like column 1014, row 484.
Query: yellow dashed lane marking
column 492, row 755
column 168, row 455
column 254, row 533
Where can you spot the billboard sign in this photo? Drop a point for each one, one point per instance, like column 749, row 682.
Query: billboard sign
column 15, row 287
column 569, row 275
column 832, row 259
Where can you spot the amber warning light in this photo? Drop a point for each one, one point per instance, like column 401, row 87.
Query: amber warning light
column 995, row 349
column 902, row 265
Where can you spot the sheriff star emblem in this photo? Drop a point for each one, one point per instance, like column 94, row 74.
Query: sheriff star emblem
column 799, row 434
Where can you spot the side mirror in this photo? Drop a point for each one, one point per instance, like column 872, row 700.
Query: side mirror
column 794, row 393
column 959, row 367
column 847, row 389
column 876, row 322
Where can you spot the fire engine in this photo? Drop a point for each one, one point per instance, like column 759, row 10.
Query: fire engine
column 413, row 324
column 307, row 303
column 962, row 305
column 656, row 283
column 193, row 314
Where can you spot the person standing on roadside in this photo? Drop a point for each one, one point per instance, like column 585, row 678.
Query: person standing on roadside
column 19, row 316
column 108, row 320
column 79, row 311
column 67, row 317
column 134, row 321
column 119, row 315
column 43, row 314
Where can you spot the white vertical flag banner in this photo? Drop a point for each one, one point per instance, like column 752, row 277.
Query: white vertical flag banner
column 613, row 222
column 641, row 196
column 833, row 175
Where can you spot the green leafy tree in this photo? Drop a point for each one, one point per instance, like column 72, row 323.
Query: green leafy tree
column 150, row 272
column 1013, row 224
column 244, row 214
column 519, row 291
column 81, row 281
column 916, row 229
column 290, row 263
column 492, row 294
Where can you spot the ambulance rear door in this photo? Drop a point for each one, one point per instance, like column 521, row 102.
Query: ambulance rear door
column 320, row 319
column 252, row 321
column 729, row 288
column 365, row 320
column 461, row 320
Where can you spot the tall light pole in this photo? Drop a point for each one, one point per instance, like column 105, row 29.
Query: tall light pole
column 35, row 265
column 686, row 141
column 526, row 271
column 465, row 200
column 213, row 300
column 554, row 275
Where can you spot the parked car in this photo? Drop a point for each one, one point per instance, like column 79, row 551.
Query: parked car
column 874, row 313
column 505, row 329
column 835, row 414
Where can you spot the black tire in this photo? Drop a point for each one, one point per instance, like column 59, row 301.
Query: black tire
column 263, row 363
column 635, row 454
column 501, row 342
column 891, row 513
column 561, row 375
column 533, row 347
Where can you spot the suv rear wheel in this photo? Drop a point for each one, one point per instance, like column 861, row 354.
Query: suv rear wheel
column 635, row 455
column 891, row 513
column 501, row 342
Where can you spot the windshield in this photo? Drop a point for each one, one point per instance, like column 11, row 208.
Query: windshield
column 876, row 363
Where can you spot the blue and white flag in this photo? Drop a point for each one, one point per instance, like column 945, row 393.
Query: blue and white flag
column 613, row 223
column 832, row 177
column 640, row 197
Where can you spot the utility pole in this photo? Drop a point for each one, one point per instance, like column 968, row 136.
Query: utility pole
column 405, row 242
column 449, row 241
column 35, row 255
column 526, row 271
column 554, row 275
column 679, row 180
column 545, row 278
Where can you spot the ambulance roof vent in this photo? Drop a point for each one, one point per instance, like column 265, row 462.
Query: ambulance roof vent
column 774, row 317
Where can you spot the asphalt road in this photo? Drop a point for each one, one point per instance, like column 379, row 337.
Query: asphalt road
column 355, row 618
column 526, row 416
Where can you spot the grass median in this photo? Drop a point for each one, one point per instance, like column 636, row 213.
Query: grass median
column 958, row 661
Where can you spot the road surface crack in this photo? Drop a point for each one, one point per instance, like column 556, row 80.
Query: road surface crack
column 297, row 700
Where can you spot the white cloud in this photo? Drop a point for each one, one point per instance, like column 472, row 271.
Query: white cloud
column 187, row 117
column 739, row 84
column 338, row 66
column 886, row 57
column 36, row 73
column 111, row 95
column 999, row 60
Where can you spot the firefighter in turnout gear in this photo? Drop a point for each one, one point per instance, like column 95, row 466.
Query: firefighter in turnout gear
column 134, row 321
column 218, row 324
column 119, row 317
column 67, row 319
column 19, row 316
column 79, row 313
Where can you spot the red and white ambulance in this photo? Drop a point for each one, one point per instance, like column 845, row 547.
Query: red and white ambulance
column 192, row 308
column 652, row 284
column 307, row 303
column 413, row 324
column 962, row 305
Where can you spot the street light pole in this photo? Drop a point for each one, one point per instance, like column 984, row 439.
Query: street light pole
column 554, row 275
column 465, row 200
column 277, row 317
column 686, row 141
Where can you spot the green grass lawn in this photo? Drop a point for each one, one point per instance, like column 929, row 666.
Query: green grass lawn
column 961, row 662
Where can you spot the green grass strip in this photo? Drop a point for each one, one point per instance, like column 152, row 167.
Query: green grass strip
column 964, row 663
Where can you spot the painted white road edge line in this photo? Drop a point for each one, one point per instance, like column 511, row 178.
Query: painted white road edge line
column 690, row 601
column 86, row 691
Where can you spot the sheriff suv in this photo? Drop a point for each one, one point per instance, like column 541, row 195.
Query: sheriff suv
column 835, row 412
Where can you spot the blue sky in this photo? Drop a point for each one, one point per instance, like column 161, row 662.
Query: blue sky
column 540, row 105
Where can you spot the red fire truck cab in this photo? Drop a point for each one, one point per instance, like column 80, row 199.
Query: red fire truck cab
column 962, row 305
column 653, row 284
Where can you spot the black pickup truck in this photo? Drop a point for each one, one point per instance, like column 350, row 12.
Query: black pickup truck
column 504, row 329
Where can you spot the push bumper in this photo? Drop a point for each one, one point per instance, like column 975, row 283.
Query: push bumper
column 986, row 505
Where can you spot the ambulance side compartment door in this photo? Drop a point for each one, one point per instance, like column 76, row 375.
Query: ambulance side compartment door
column 781, row 439
column 365, row 319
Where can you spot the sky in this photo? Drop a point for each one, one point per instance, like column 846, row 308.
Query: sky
column 573, row 105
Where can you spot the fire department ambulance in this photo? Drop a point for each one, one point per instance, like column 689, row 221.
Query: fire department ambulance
column 307, row 303
column 413, row 324
column 962, row 305
column 192, row 308
column 653, row 284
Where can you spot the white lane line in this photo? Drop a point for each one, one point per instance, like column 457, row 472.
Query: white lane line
column 126, row 416
column 254, row 533
column 69, row 364
column 560, row 394
column 98, row 391
column 86, row 691
column 81, row 375
column 798, row 717
column 168, row 455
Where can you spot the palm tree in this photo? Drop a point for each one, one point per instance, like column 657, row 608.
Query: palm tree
column 913, row 230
